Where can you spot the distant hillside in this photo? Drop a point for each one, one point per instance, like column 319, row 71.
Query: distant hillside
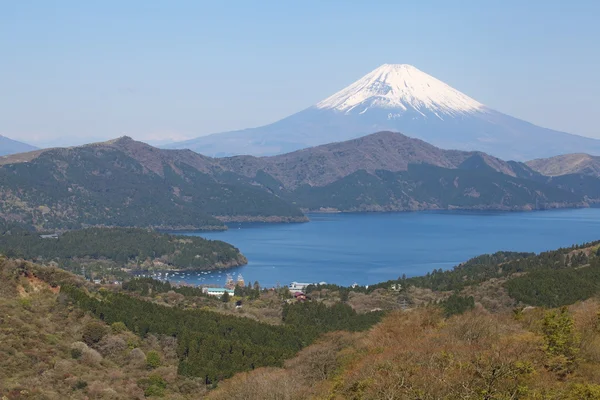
column 101, row 249
column 10, row 146
column 388, row 171
column 387, row 151
column 127, row 183
column 567, row 164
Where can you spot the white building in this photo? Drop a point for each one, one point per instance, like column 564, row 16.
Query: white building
column 217, row 292
column 298, row 287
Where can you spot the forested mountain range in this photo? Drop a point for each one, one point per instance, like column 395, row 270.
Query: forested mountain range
column 128, row 183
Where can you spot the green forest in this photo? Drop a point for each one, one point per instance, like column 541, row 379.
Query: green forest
column 130, row 248
column 430, row 185
column 215, row 346
column 551, row 279
column 104, row 186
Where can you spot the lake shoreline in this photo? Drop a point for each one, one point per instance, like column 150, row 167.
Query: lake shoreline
column 367, row 248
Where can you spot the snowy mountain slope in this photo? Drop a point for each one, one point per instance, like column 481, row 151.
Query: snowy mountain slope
column 398, row 97
column 9, row 146
column 403, row 87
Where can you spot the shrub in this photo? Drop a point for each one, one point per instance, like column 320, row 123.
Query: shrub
column 80, row 384
column 91, row 357
column 561, row 341
column 157, row 380
column 585, row 391
column 93, row 332
column 153, row 359
column 155, row 385
column 154, row 391
column 52, row 339
column 112, row 345
column 77, row 349
column 137, row 357
column 25, row 302
column 456, row 304
column 118, row 327
column 76, row 353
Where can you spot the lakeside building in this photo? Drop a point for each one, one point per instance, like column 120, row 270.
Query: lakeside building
column 218, row 292
column 298, row 286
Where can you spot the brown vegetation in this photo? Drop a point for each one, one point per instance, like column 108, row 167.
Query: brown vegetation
column 421, row 355
column 50, row 350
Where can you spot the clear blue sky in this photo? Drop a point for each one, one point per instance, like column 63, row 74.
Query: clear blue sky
column 76, row 71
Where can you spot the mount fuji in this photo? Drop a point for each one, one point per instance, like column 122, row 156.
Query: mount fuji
column 398, row 97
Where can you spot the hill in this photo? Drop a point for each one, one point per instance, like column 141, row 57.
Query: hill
column 118, row 342
column 387, row 151
column 112, row 252
column 128, row 183
column 388, row 171
column 567, row 164
column 9, row 146
column 400, row 98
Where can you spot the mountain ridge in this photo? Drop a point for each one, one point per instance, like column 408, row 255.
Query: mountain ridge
column 123, row 182
column 578, row 163
column 127, row 183
column 397, row 98
column 386, row 150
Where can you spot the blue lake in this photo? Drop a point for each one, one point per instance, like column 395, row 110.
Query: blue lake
column 374, row 247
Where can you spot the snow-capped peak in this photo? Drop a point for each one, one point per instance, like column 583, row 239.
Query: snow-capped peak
column 401, row 87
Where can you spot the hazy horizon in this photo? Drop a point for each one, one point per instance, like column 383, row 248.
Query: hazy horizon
column 79, row 72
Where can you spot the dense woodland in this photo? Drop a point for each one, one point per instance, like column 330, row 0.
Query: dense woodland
column 557, row 287
column 105, row 186
column 215, row 346
column 551, row 279
column 121, row 247
column 427, row 186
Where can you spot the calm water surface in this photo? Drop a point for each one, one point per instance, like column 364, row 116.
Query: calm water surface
column 370, row 248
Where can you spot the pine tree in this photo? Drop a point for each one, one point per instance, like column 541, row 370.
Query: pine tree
column 225, row 297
